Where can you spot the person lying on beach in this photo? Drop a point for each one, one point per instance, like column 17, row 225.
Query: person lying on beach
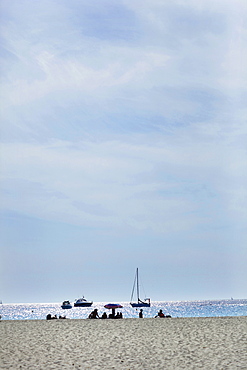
column 62, row 317
column 160, row 314
column 94, row 314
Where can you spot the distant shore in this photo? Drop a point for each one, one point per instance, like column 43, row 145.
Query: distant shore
column 170, row 343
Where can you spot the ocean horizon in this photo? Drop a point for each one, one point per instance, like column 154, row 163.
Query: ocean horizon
column 200, row 308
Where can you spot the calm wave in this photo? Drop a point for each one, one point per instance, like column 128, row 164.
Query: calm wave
column 37, row 311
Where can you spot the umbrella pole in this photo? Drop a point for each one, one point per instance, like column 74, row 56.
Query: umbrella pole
column 113, row 311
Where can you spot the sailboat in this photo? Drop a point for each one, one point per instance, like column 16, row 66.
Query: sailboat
column 139, row 303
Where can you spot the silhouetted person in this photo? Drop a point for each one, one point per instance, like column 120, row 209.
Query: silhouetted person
column 160, row 314
column 94, row 314
column 141, row 313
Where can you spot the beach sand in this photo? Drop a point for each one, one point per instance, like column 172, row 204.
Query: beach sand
column 170, row 343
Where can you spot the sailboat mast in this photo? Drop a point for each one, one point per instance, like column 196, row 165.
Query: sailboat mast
column 137, row 282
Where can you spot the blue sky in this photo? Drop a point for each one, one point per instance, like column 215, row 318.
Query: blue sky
column 123, row 145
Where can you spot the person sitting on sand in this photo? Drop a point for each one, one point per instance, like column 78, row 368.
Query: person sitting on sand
column 141, row 313
column 160, row 314
column 104, row 316
column 119, row 315
column 94, row 314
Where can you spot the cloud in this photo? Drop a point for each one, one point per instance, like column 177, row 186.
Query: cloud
column 63, row 67
column 142, row 184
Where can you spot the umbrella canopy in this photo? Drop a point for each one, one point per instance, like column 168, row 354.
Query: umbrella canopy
column 113, row 305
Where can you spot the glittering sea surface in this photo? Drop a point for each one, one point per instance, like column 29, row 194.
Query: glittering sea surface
column 37, row 311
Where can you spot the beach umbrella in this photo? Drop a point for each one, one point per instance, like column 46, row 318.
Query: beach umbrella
column 113, row 306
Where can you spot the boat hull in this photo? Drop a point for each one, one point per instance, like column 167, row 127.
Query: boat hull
column 140, row 304
column 66, row 307
column 84, row 304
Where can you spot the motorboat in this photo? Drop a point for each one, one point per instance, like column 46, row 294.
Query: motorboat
column 66, row 305
column 139, row 303
column 82, row 302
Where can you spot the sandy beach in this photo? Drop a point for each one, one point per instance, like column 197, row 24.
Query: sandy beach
column 176, row 343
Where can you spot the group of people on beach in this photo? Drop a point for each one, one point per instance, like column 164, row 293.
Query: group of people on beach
column 94, row 315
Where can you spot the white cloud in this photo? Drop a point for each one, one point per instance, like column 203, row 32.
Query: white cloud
column 142, row 184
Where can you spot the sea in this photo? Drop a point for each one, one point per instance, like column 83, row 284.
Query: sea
column 208, row 308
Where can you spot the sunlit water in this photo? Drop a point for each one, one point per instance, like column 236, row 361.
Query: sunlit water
column 37, row 311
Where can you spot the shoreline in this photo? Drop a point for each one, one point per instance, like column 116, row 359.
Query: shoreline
column 126, row 318
column 130, row 343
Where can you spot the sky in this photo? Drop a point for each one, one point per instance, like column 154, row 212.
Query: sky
column 123, row 144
